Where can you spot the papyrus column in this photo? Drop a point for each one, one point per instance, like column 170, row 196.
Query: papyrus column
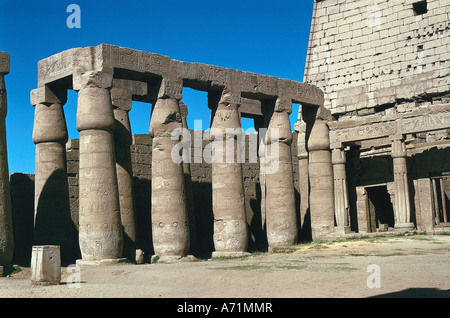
column 52, row 220
column 230, row 224
column 340, row 190
column 100, row 233
column 402, row 201
column 188, row 180
column 302, row 156
column 170, row 225
column 121, row 98
column 6, row 225
column 281, row 218
column 321, row 196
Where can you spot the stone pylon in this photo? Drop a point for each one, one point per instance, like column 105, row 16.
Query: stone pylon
column 100, row 233
column 52, row 220
column 6, row 225
column 170, row 224
column 230, row 224
column 281, row 218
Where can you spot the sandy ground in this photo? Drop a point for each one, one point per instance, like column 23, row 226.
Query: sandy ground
column 407, row 266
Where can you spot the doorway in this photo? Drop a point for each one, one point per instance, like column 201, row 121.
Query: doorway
column 380, row 209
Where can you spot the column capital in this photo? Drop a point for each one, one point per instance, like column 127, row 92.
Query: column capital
column 4, row 63
column 338, row 155
column 283, row 104
column 398, row 148
column 44, row 95
column 183, row 110
column 171, row 88
column 230, row 97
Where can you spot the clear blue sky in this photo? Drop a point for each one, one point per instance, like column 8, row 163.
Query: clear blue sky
column 262, row 36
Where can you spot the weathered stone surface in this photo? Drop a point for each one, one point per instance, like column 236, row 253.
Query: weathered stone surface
column 6, row 225
column 170, row 224
column 4, row 63
column 230, row 226
column 100, row 232
column 45, row 265
column 281, row 218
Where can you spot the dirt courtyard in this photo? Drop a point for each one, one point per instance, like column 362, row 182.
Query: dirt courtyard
column 398, row 266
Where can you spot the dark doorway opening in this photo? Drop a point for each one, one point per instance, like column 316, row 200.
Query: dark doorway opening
column 441, row 200
column 381, row 211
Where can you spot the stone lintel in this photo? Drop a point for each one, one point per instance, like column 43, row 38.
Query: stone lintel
column 400, row 126
column 149, row 65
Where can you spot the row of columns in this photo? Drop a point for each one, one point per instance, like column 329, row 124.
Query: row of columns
column 106, row 207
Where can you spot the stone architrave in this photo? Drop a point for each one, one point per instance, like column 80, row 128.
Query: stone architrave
column 52, row 220
column 230, row 224
column 170, row 224
column 6, row 225
column 321, row 197
column 281, row 218
column 121, row 98
column 340, row 190
column 402, row 206
column 100, row 233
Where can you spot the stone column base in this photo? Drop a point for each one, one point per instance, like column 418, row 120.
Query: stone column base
column 229, row 254
column 404, row 226
column 103, row 262
column 341, row 230
column 171, row 258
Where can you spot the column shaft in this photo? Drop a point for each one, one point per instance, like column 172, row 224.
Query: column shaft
column 230, row 224
column 281, row 218
column 321, row 198
column 170, row 226
column 100, row 232
column 302, row 155
column 340, row 190
column 402, row 200
column 6, row 225
column 123, row 140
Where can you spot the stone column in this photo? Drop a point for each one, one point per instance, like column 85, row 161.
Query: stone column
column 188, row 182
column 121, row 98
column 402, row 201
column 6, row 225
column 302, row 156
column 321, row 197
column 340, row 191
column 100, row 233
column 230, row 224
column 170, row 225
column 52, row 220
column 281, row 218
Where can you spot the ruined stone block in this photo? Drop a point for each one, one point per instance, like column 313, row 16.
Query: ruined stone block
column 45, row 265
